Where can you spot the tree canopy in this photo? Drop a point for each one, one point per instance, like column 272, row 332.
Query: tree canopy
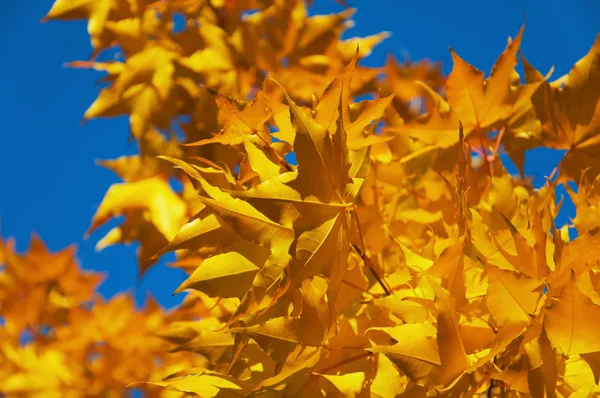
column 347, row 230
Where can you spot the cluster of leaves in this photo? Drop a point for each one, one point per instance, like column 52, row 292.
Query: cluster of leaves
column 395, row 256
column 60, row 339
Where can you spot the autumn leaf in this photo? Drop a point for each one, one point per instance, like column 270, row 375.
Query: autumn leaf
column 239, row 119
column 153, row 214
column 570, row 116
column 479, row 104
column 571, row 323
column 415, row 351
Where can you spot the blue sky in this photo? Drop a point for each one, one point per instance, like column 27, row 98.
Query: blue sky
column 51, row 184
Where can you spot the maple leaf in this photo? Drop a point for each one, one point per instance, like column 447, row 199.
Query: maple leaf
column 570, row 117
column 145, row 165
column 239, row 119
column 144, row 90
column 479, row 104
column 580, row 314
column 96, row 12
column 415, row 350
column 154, row 214
column 511, row 299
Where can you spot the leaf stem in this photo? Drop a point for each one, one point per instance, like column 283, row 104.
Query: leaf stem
column 386, row 288
column 281, row 160
column 490, row 390
column 357, row 287
column 485, row 157
column 498, row 140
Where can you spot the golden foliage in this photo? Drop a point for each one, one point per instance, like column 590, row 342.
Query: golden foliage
column 395, row 257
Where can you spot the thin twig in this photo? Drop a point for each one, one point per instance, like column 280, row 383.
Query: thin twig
column 490, row 390
column 281, row 160
column 366, row 260
column 485, row 157
column 498, row 141
column 386, row 288
column 358, row 287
